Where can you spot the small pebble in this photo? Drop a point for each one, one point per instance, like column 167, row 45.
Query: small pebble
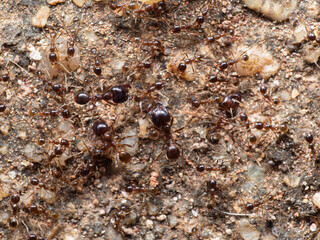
column 41, row 17
column 162, row 217
column 149, row 224
column 316, row 199
column 173, row 221
column 228, row 231
column 295, row 93
column 79, row 3
column 248, row 231
column 313, row 227
column 55, row 2
column 3, row 150
column 273, row 9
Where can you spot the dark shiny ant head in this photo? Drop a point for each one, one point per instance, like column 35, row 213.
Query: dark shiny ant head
column 119, row 93
column 53, row 58
column 249, row 206
column 15, row 198
column 13, row 222
column 311, row 36
column 124, row 157
column 100, row 128
column 182, row 67
column 231, row 101
column 33, row 236
column 2, row 107
column 263, row 89
column 243, row 117
column 82, row 98
column 309, row 137
column 71, row 51
column 173, row 152
column 211, row 186
column 5, row 77
column 160, row 116
column 97, row 70
column 230, row 105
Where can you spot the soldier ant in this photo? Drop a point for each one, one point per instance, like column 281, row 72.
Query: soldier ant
column 162, row 121
column 118, row 94
column 110, row 140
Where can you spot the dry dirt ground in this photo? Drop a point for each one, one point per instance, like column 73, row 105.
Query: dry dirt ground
column 83, row 190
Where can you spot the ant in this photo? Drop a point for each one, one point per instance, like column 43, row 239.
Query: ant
column 202, row 168
column 97, row 69
column 228, row 105
column 129, row 8
column 5, row 77
column 309, row 139
column 118, row 215
column 64, row 111
column 3, row 107
column 33, row 236
column 156, row 86
column 182, row 67
column 262, row 126
column 14, row 202
column 118, row 94
column 162, row 121
column 155, row 45
column 138, row 189
column 196, row 24
column 110, row 140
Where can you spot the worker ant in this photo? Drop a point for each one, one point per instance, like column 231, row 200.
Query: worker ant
column 196, row 24
column 152, row 46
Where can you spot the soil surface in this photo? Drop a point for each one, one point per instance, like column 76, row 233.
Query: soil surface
column 123, row 160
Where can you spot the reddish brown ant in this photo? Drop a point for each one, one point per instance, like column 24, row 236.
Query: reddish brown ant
column 130, row 188
column 194, row 25
column 203, row 168
column 309, row 139
column 155, row 45
column 64, row 111
column 97, row 68
column 122, row 9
